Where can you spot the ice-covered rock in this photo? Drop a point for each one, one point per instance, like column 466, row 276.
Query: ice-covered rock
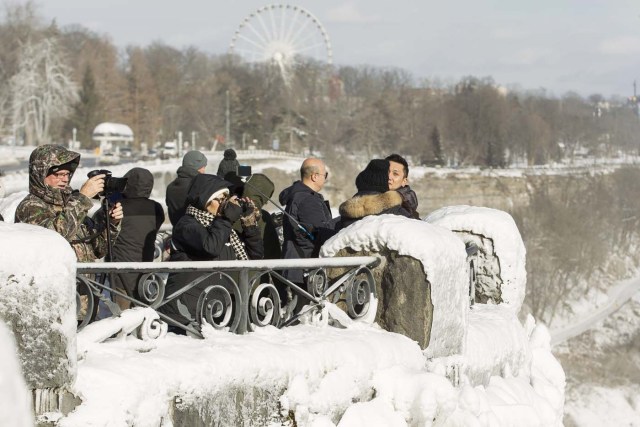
column 442, row 257
column 37, row 302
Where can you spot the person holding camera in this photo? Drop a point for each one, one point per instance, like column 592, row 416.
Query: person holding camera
column 53, row 204
column 205, row 233
column 136, row 241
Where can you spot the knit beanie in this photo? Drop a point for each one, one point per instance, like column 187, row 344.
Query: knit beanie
column 194, row 160
column 374, row 178
column 230, row 154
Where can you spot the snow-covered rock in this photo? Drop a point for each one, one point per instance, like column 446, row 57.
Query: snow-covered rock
column 507, row 245
column 38, row 302
column 443, row 259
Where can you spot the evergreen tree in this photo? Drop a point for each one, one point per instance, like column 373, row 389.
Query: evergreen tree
column 495, row 154
column 436, row 147
column 86, row 112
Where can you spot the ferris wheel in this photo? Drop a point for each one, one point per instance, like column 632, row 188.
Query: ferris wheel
column 282, row 35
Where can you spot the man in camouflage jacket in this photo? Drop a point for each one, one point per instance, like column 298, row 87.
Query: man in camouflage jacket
column 51, row 203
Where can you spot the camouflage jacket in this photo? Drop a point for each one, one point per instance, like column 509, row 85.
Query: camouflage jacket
column 65, row 211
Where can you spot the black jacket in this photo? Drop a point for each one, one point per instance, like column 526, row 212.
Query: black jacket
column 192, row 241
column 310, row 209
column 176, row 195
column 142, row 220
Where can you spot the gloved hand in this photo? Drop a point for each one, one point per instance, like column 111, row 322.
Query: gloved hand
column 309, row 234
column 232, row 211
column 250, row 214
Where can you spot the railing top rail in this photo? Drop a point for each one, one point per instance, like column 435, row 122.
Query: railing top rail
column 263, row 264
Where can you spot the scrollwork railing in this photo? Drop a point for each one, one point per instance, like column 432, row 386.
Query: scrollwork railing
column 255, row 299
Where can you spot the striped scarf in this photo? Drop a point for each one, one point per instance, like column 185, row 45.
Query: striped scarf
column 205, row 218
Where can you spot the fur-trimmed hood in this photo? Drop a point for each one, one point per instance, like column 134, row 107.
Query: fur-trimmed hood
column 360, row 206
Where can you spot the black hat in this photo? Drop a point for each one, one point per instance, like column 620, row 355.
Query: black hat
column 374, row 178
column 230, row 154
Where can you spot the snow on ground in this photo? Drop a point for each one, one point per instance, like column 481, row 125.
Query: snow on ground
column 596, row 406
column 15, row 399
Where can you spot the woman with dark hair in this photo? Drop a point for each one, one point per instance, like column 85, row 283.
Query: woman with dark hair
column 373, row 196
column 205, row 233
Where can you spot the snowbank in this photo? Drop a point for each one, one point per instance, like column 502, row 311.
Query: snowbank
column 15, row 401
column 9, row 204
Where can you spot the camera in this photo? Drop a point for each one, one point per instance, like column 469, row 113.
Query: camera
column 112, row 185
column 244, row 171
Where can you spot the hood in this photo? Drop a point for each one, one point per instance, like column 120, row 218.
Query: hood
column 139, row 183
column 42, row 160
column 202, row 187
column 370, row 204
column 258, row 188
column 287, row 194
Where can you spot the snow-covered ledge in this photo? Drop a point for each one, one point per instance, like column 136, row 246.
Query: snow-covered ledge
column 37, row 303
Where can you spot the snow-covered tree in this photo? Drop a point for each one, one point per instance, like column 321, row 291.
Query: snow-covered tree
column 42, row 90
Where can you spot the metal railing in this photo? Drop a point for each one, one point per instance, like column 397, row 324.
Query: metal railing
column 239, row 302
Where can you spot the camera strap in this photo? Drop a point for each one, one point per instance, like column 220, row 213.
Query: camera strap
column 90, row 224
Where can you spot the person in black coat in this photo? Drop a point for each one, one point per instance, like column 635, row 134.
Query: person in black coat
column 193, row 163
column 229, row 163
column 399, row 181
column 373, row 196
column 308, row 207
column 205, row 233
column 136, row 240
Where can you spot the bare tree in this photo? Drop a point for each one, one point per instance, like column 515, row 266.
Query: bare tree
column 41, row 90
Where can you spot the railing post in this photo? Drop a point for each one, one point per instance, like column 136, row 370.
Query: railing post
column 244, row 296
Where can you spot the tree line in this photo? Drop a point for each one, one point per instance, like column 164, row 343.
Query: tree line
column 581, row 234
column 54, row 80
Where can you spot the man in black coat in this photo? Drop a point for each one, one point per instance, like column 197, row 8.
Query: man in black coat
column 308, row 207
column 193, row 163
column 399, row 181
column 205, row 233
column 136, row 241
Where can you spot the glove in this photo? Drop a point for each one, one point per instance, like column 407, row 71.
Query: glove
column 310, row 234
column 232, row 212
column 250, row 218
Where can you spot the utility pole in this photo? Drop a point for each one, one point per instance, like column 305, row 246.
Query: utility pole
column 228, row 114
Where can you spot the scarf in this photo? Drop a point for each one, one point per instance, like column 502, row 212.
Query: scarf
column 205, row 218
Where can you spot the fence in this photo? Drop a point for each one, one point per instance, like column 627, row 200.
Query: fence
column 242, row 296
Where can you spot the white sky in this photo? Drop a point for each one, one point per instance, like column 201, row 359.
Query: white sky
column 589, row 46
